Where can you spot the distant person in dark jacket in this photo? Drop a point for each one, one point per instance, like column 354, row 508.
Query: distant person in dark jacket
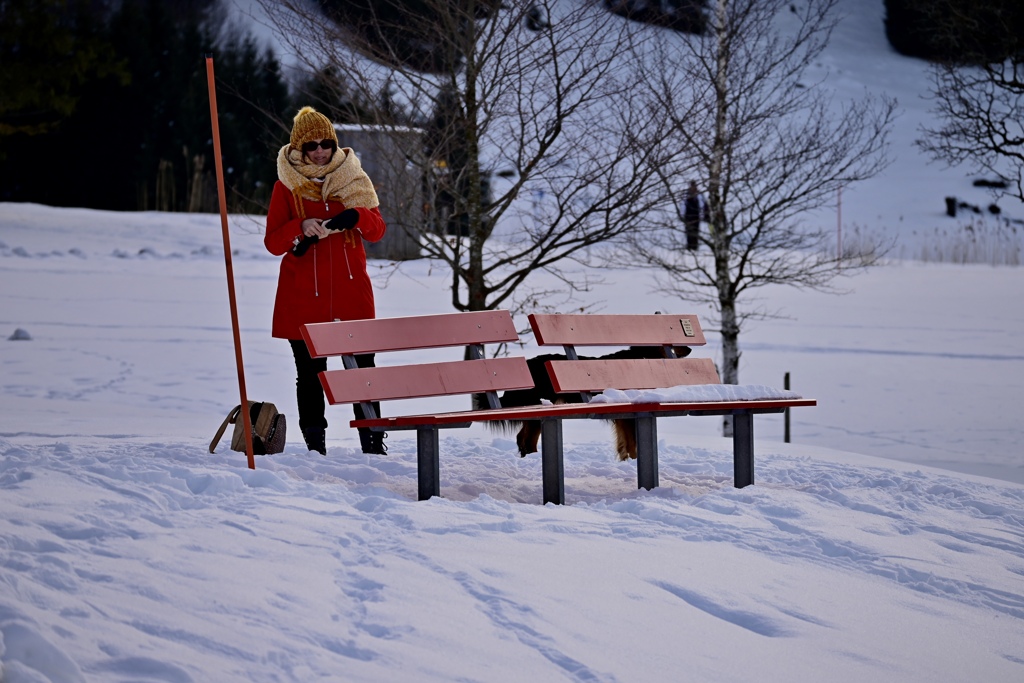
column 695, row 210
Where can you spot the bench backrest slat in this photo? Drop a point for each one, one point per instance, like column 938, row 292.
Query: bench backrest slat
column 414, row 332
column 428, row 379
column 617, row 330
column 598, row 375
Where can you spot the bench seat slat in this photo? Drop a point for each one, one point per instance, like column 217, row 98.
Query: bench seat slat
column 598, row 375
column 617, row 330
column 413, row 332
column 428, row 379
column 585, row 410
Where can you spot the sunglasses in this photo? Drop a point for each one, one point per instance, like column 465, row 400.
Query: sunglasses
column 325, row 144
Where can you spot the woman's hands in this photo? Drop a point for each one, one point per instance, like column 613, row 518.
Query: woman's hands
column 314, row 227
column 312, row 230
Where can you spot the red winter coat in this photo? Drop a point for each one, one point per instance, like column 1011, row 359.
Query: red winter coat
column 328, row 282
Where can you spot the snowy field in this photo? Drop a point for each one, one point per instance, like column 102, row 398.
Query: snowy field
column 127, row 553
column 885, row 543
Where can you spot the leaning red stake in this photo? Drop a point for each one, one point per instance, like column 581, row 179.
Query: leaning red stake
column 246, row 420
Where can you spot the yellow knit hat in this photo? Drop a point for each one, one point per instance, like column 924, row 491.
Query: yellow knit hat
column 311, row 125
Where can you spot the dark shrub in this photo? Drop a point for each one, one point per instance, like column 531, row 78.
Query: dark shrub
column 956, row 31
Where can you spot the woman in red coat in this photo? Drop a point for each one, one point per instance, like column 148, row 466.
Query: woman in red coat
column 323, row 273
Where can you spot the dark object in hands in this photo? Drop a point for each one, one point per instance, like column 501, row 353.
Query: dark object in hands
column 346, row 220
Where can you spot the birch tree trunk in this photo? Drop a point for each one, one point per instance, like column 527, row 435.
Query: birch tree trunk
column 746, row 120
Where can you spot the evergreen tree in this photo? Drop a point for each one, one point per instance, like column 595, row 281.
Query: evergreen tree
column 251, row 97
column 420, row 34
column 955, row 31
column 979, row 94
column 53, row 42
column 328, row 91
column 682, row 15
column 135, row 125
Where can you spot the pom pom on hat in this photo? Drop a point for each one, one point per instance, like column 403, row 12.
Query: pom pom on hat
column 311, row 125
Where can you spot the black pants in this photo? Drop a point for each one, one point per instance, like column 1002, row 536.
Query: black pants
column 310, row 393
column 692, row 234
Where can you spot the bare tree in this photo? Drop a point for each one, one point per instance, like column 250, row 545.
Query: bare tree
column 979, row 89
column 530, row 123
column 768, row 147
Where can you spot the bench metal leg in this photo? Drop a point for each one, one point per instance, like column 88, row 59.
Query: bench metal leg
column 743, row 449
column 551, row 461
column 428, row 467
column 646, row 453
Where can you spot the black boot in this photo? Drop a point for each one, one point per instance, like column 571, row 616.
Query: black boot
column 372, row 442
column 316, row 440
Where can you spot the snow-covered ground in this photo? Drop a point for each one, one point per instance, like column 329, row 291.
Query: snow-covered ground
column 886, row 543
column 127, row 553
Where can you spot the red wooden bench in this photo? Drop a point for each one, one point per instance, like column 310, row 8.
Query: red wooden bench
column 364, row 385
column 491, row 375
column 589, row 376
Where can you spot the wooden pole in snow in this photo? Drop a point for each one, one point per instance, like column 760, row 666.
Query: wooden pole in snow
column 839, row 227
column 785, row 385
column 246, row 419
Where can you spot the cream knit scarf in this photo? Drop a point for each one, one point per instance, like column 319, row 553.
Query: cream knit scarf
column 344, row 179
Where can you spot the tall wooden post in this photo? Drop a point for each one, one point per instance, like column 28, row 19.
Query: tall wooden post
column 221, row 196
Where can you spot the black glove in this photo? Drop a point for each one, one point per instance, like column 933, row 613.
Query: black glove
column 346, row 220
column 304, row 244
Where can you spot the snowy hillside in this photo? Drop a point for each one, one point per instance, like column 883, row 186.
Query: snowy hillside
column 907, row 200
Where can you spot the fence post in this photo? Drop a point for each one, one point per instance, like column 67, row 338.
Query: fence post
column 785, row 385
column 839, row 227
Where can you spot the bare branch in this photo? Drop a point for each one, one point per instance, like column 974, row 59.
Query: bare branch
column 531, row 134
column 769, row 148
column 979, row 97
